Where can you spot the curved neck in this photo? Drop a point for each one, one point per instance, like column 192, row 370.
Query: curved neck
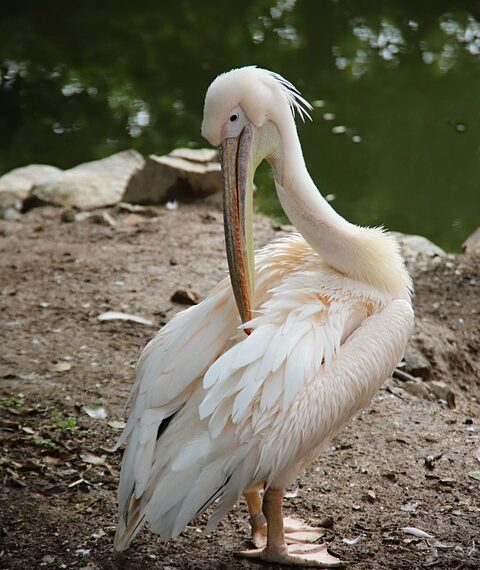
column 328, row 233
column 368, row 255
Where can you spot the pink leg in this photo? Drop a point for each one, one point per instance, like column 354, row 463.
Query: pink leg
column 295, row 530
column 276, row 548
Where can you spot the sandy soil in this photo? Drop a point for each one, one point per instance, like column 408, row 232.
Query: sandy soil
column 404, row 462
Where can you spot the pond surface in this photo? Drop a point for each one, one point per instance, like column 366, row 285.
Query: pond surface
column 395, row 137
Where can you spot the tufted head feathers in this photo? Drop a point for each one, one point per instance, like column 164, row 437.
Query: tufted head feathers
column 260, row 93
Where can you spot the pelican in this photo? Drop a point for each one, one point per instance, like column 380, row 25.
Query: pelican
column 238, row 394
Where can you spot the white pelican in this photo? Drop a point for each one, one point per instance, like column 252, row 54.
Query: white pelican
column 224, row 407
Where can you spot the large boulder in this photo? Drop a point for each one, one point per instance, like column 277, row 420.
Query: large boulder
column 17, row 185
column 472, row 244
column 415, row 247
column 93, row 184
column 184, row 174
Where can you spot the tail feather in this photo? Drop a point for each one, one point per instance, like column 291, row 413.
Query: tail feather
column 172, row 499
column 127, row 529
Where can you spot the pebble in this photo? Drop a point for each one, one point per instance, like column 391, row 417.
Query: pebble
column 186, row 297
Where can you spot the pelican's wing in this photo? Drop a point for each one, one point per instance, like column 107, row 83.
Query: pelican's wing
column 166, row 374
column 289, row 388
column 169, row 371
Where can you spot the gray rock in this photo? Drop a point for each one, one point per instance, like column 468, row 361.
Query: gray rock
column 183, row 174
column 417, row 388
column 202, row 155
column 92, row 185
column 471, row 245
column 443, row 392
column 439, row 342
column 417, row 364
column 17, row 185
column 414, row 247
column 10, row 212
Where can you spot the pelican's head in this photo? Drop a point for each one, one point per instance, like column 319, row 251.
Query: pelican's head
column 246, row 110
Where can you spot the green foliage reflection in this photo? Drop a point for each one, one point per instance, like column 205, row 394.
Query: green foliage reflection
column 396, row 88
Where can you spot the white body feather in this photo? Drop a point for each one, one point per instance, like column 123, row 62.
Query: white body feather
column 243, row 410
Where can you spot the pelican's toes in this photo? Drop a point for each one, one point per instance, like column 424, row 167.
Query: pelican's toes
column 297, row 531
column 309, row 555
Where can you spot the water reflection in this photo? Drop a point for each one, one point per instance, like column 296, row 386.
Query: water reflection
column 395, row 90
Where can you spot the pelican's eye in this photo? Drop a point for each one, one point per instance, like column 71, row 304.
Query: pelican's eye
column 233, row 117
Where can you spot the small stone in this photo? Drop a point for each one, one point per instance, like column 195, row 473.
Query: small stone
column 209, row 217
column 410, row 507
column 416, row 388
column 60, row 367
column 443, row 392
column 68, row 215
column 448, row 481
column 82, row 552
column 431, row 459
column 370, row 496
column 417, row 364
column 390, row 475
column 186, row 297
column 326, row 522
column 104, row 219
column 133, row 220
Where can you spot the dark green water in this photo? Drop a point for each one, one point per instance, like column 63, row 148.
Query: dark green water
column 396, row 131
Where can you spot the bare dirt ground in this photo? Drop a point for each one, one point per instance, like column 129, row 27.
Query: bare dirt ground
column 404, row 462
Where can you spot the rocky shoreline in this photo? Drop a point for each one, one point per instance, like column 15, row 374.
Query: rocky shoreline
column 126, row 176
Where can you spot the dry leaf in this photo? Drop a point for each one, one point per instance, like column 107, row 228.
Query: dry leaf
column 352, row 541
column 92, row 459
column 419, row 533
column 117, row 424
column 118, row 316
column 96, row 412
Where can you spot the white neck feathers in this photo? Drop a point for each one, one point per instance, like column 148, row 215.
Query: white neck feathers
column 369, row 255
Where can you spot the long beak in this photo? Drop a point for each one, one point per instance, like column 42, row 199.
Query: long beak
column 236, row 157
